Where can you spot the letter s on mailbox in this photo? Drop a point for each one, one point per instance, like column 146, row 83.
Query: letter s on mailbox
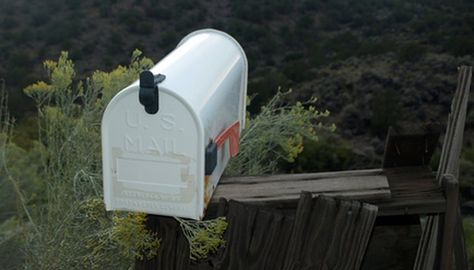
column 167, row 138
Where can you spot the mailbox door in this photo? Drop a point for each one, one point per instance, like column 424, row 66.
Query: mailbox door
column 152, row 162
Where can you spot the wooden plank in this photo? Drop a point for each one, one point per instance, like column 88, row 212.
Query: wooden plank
column 421, row 256
column 413, row 189
column 410, row 147
column 325, row 233
column 452, row 160
column 449, row 163
column 460, row 254
column 270, row 188
column 368, row 186
column 296, row 177
column 449, row 226
column 329, row 234
column 256, row 238
column 295, row 244
column 317, row 236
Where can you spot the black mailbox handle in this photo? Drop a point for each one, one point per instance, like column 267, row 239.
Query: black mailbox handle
column 148, row 93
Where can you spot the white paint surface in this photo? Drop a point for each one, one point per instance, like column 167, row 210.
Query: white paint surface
column 154, row 163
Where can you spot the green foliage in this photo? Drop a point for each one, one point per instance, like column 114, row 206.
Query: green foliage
column 10, row 243
column 68, row 159
column 467, row 164
column 411, row 52
column 386, row 111
column 468, row 224
column 326, row 154
column 468, row 154
column 25, row 132
column 204, row 237
column 276, row 134
column 342, row 46
column 460, row 45
column 111, row 82
column 68, row 228
column 263, row 89
column 10, row 190
column 122, row 232
column 115, row 44
column 59, row 33
column 377, row 46
column 297, row 71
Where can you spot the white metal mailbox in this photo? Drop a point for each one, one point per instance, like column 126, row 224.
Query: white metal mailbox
column 167, row 138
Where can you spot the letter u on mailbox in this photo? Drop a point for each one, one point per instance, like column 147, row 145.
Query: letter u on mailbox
column 167, row 138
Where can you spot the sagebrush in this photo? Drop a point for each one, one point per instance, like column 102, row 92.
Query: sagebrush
column 60, row 221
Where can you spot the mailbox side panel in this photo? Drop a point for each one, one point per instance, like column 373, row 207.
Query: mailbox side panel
column 152, row 162
column 209, row 70
column 221, row 111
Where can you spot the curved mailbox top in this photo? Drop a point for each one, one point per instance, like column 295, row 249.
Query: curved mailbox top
column 203, row 64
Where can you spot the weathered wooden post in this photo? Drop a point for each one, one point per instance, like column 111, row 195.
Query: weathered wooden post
column 433, row 252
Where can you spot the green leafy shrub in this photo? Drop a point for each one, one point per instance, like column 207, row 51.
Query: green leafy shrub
column 386, row 111
column 61, row 237
column 276, row 134
column 298, row 70
column 10, row 244
column 342, row 46
column 65, row 226
column 378, row 46
column 411, row 52
column 115, row 43
column 460, row 45
column 326, row 154
column 204, row 237
column 119, row 231
column 468, row 224
column 263, row 89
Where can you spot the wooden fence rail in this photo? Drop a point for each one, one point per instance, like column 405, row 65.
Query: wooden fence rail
column 429, row 255
column 276, row 223
column 324, row 233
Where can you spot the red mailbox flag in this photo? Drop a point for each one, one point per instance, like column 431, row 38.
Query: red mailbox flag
column 233, row 134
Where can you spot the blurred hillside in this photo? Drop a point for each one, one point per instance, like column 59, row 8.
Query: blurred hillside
column 372, row 63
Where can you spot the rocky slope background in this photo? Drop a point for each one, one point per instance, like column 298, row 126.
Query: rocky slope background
column 371, row 63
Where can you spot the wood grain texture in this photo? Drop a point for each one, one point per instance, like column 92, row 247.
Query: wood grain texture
column 256, row 238
column 404, row 148
column 413, row 190
column 450, row 221
column 329, row 234
column 367, row 183
column 323, row 233
column 375, row 186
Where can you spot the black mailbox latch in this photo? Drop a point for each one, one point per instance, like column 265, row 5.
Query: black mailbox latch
column 210, row 158
column 148, row 93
